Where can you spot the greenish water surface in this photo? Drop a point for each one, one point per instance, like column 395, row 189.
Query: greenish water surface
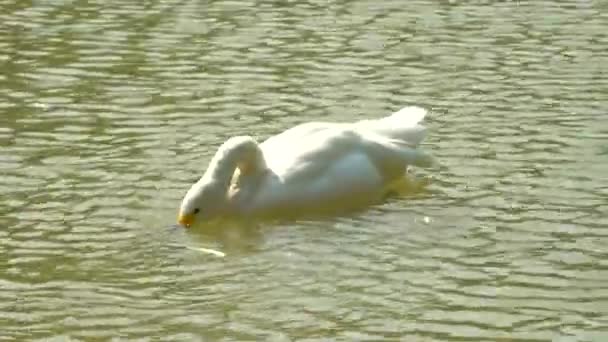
column 109, row 110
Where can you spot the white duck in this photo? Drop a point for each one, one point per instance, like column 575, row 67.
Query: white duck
column 311, row 168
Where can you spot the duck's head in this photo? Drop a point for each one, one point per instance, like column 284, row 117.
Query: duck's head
column 202, row 202
column 207, row 199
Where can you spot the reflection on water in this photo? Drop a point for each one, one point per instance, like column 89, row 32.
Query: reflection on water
column 110, row 110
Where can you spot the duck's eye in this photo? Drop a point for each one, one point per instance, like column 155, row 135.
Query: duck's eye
column 196, row 211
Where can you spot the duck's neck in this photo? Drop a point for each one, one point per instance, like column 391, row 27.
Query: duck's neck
column 239, row 152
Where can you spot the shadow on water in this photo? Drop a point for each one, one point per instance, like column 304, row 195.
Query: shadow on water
column 233, row 237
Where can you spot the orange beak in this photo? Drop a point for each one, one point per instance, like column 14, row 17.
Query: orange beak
column 185, row 220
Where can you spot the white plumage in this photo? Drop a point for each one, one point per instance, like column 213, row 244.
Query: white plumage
column 313, row 167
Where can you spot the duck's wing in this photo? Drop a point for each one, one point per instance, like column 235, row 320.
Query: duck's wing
column 306, row 151
column 322, row 179
column 326, row 165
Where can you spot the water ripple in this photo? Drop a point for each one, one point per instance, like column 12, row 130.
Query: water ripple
column 111, row 110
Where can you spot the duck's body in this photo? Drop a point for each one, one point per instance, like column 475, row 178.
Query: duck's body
column 313, row 167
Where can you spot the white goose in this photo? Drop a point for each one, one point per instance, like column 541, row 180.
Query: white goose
column 311, row 168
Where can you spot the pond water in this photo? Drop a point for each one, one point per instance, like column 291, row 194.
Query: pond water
column 110, row 110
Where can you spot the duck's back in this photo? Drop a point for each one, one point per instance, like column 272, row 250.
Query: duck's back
column 311, row 147
column 321, row 164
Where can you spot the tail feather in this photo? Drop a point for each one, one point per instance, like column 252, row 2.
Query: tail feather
column 406, row 117
column 410, row 155
column 402, row 125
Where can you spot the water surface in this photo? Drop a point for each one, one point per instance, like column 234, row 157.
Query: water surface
column 109, row 110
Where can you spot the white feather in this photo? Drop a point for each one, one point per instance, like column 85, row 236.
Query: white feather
column 311, row 167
